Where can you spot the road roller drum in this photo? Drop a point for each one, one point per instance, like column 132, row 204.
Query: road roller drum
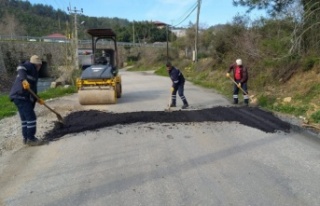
column 97, row 96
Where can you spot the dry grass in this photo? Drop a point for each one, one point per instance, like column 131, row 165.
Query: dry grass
column 302, row 88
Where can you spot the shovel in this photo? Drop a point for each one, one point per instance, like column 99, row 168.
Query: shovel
column 244, row 92
column 52, row 110
column 168, row 109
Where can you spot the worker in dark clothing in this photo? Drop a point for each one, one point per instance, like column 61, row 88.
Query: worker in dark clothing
column 240, row 75
column 178, row 81
column 27, row 79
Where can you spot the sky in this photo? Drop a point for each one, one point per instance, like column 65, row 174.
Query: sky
column 177, row 13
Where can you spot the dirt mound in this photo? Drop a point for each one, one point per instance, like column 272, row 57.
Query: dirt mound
column 92, row 119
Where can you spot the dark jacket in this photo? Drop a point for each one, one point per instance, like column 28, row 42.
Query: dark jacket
column 243, row 72
column 26, row 71
column 176, row 77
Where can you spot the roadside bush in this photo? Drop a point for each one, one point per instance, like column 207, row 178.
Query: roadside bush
column 132, row 58
column 290, row 109
column 7, row 107
column 309, row 63
column 316, row 117
column 310, row 93
column 265, row 101
column 162, row 71
column 202, row 55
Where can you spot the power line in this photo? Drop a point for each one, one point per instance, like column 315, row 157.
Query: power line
column 194, row 8
column 186, row 13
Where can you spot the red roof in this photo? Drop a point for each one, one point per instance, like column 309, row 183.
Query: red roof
column 159, row 23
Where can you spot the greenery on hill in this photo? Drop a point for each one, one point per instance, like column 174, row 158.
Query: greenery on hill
column 21, row 18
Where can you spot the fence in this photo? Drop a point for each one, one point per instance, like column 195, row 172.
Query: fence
column 80, row 42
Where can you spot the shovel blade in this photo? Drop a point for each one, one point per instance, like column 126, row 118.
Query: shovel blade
column 60, row 118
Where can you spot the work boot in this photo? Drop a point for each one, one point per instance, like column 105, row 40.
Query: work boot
column 25, row 140
column 33, row 141
column 235, row 101
column 172, row 105
column 185, row 106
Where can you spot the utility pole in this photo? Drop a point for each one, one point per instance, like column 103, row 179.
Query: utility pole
column 133, row 32
column 197, row 31
column 75, row 12
column 167, row 42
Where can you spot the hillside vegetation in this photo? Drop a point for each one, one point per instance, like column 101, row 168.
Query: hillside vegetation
column 281, row 52
column 21, row 18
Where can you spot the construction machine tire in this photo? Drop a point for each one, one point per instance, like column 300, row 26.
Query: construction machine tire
column 92, row 97
column 118, row 90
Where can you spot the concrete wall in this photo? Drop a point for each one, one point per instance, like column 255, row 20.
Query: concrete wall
column 53, row 54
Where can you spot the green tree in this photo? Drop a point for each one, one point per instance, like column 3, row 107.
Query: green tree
column 305, row 35
column 272, row 6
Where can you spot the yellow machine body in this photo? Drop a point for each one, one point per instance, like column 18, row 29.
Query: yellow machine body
column 99, row 91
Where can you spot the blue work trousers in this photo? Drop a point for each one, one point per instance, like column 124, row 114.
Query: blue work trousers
column 28, row 117
column 236, row 92
column 180, row 90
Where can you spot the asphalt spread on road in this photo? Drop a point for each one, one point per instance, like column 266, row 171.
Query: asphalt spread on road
column 91, row 120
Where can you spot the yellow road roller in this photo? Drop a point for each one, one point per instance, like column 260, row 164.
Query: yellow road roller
column 100, row 82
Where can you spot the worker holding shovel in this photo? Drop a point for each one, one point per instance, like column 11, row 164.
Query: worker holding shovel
column 178, row 81
column 240, row 78
column 27, row 79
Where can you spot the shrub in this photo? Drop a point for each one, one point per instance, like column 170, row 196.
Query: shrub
column 7, row 107
column 162, row 71
column 316, row 117
column 309, row 62
column 202, row 55
column 265, row 101
column 290, row 109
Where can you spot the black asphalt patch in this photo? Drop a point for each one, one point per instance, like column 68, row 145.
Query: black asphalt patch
column 92, row 119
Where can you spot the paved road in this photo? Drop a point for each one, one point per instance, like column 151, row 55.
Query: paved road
column 195, row 163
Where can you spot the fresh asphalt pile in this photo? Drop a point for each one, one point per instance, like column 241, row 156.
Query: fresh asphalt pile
column 81, row 121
